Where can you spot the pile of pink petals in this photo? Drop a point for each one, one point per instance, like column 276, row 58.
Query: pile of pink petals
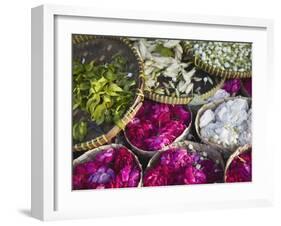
column 157, row 125
column 178, row 166
column 111, row 168
column 240, row 169
column 232, row 86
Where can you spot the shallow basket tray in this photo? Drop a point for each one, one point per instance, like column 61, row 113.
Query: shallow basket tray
column 227, row 74
column 83, row 48
column 149, row 154
column 236, row 153
column 182, row 100
column 214, row 105
column 211, row 151
column 90, row 155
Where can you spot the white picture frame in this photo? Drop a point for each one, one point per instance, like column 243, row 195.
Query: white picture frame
column 52, row 197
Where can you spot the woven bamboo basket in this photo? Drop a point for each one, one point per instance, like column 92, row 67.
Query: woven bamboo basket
column 182, row 100
column 214, row 105
column 90, row 155
column 83, row 47
column 227, row 74
column 149, row 154
column 211, row 151
column 235, row 154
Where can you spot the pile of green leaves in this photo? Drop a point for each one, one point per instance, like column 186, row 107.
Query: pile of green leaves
column 103, row 91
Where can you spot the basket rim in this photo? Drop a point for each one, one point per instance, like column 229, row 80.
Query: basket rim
column 136, row 104
column 151, row 153
column 212, row 105
column 96, row 150
column 237, row 152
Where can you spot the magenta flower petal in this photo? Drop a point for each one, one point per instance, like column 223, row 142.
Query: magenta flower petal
column 232, row 86
column 157, row 125
column 240, row 169
column 105, row 156
column 111, row 168
column 180, row 166
column 180, row 113
column 247, row 83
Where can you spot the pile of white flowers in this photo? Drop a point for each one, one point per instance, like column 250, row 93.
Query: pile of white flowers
column 228, row 125
column 224, row 55
column 164, row 58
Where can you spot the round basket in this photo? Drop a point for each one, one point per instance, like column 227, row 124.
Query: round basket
column 149, row 154
column 214, row 105
column 90, row 47
column 89, row 155
column 211, row 151
column 235, row 154
column 182, row 100
column 227, row 74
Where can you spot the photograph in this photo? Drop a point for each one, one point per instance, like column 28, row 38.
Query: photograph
column 152, row 112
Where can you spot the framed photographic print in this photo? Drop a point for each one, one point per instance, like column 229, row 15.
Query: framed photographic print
column 144, row 113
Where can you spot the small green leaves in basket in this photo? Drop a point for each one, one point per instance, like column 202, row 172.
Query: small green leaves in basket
column 79, row 131
column 103, row 91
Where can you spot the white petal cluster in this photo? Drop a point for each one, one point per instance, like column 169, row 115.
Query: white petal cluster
column 224, row 55
column 229, row 124
column 170, row 67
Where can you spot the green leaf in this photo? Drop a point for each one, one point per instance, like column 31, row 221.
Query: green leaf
column 129, row 84
column 114, row 88
column 90, row 75
column 110, row 75
column 98, row 114
column 84, row 85
column 89, row 66
column 79, row 131
column 92, row 103
column 164, row 51
column 77, row 100
column 107, row 101
column 77, row 68
column 98, row 85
